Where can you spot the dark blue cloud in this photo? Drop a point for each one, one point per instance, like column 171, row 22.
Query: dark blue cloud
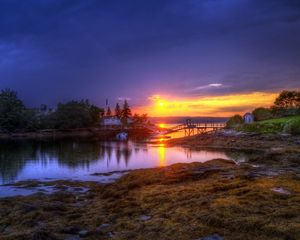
column 54, row 50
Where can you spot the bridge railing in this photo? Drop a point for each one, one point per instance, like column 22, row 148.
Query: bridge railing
column 198, row 125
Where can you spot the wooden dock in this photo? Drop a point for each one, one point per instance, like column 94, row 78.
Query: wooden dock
column 196, row 128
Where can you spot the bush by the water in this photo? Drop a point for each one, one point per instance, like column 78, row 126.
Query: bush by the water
column 295, row 127
column 292, row 127
column 234, row 121
column 262, row 114
column 288, row 125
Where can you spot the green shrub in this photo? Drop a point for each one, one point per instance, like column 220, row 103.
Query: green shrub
column 262, row 114
column 295, row 128
column 234, row 121
column 292, row 127
column 260, row 128
column 284, row 112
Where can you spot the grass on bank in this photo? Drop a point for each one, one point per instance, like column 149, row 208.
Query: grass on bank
column 288, row 125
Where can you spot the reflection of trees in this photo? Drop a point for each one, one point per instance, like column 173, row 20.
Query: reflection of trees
column 72, row 153
column 127, row 154
column 13, row 156
column 188, row 153
column 123, row 149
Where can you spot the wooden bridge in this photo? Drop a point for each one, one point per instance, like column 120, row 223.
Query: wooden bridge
column 196, row 128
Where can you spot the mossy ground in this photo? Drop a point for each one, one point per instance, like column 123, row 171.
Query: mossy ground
column 182, row 201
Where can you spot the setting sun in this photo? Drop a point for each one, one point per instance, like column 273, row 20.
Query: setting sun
column 161, row 104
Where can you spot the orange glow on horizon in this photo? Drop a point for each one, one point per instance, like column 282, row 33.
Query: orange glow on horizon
column 214, row 106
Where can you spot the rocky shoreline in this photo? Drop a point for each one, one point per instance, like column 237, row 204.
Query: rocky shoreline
column 258, row 199
column 242, row 141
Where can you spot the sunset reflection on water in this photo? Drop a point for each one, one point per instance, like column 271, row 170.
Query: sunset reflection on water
column 161, row 155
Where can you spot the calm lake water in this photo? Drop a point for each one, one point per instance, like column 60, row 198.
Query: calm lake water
column 78, row 159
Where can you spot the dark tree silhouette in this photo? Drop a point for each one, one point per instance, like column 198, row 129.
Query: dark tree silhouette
column 287, row 103
column 288, row 99
column 140, row 119
column 108, row 112
column 118, row 111
column 14, row 116
column 11, row 111
column 75, row 114
column 126, row 113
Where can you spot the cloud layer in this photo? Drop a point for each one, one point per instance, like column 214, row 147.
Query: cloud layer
column 57, row 50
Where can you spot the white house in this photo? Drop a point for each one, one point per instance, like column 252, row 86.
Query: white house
column 248, row 118
column 111, row 122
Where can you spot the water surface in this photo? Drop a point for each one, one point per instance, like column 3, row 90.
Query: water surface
column 78, row 159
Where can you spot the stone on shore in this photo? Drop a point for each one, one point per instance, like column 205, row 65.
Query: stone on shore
column 212, row 237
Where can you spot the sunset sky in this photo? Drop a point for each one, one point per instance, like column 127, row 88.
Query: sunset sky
column 167, row 57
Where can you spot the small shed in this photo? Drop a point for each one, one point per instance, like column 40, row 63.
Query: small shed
column 248, row 118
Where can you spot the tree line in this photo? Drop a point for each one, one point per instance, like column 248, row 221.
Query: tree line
column 121, row 113
column 124, row 113
column 16, row 117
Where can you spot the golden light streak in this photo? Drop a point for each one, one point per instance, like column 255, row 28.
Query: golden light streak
column 161, row 155
column 215, row 106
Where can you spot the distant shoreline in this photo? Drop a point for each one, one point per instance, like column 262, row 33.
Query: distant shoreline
column 93, row 133
column 179, row 120
column 55, row 134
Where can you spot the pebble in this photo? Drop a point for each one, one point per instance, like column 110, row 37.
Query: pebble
column 73, row 237
column 83, row 233
column 71, row 230
column 104, row 225
column 276, row 150
column 281, row 190
column 211, row 237
column 145, row 217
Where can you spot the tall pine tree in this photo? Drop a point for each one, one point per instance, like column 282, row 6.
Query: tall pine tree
column 108, row 112
column 126, row 113
column 118, row 111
